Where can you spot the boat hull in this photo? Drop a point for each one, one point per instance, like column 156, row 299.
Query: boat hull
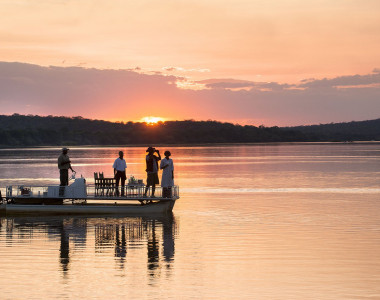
column 161, row 207
column 37, row 200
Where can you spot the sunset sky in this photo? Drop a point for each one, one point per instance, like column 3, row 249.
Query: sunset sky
column 273, row 62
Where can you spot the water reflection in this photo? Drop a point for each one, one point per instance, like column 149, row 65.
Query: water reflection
column 64, row 249
column 107, row 236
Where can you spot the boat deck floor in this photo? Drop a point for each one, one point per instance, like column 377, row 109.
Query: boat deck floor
column 126, row 198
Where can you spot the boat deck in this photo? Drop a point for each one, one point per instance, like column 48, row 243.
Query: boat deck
column 91, row 193
column 88, row 200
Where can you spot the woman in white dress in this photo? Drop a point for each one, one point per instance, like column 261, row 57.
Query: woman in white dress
column 167, row 175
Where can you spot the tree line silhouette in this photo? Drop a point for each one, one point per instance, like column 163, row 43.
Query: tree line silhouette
column 20, row 130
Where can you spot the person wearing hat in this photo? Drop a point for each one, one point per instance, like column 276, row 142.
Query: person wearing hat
column 152, row 169
column 64, row 164
column 119, row 167
column 167, row 180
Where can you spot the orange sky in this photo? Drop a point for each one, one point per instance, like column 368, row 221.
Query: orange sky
column 273, row 40
column 282, row 41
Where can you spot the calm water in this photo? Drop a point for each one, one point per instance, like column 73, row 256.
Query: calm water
column 253, row 222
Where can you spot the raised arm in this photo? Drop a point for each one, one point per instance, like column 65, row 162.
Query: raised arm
column 159, row 155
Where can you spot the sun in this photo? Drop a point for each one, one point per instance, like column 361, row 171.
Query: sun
column 152, row 120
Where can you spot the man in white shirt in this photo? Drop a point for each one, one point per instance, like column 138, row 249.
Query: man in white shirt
column 119, row 167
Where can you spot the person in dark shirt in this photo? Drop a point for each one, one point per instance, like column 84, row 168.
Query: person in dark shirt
column 64, row 164
column 152, row 169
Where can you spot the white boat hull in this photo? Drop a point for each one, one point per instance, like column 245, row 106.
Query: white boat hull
column 88, row 209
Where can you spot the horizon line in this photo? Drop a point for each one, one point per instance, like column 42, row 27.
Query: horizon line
column 184, row 120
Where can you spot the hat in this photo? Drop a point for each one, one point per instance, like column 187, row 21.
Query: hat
column 167, row 153
column 65, row 149
column 150, row 149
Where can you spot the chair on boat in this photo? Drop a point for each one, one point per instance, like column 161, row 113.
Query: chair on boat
column 99, row 188
column 104, row 186
column 109, row 186
column 96, row 181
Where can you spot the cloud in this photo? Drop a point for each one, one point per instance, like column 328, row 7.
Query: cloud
column 337, row 82
column 170, row 69
column 226, row 83
column 126, row 95
column 76, row 90
column 352, row 81
column 180, row 69
column 242, row 84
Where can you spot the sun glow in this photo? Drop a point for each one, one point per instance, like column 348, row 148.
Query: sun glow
column 152, row 120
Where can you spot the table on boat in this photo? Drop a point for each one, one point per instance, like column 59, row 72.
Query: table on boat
column 135, row 189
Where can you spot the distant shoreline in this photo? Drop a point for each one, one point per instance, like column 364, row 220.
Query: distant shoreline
column 196, row 145
column 34, row 131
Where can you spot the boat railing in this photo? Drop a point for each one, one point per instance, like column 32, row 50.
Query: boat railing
column 91, row 191
column 2, row 199
column 26, row 191
column 131, row 191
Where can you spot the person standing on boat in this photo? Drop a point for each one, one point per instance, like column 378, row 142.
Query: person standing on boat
column 64, row 164
column 167, row 180
column 119, row 167
column 152, row 169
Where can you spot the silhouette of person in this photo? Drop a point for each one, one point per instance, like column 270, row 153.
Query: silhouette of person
column 64, row 164
column 168, row 237
column 153, row 250
column 119, row 167
column 152, row 169
column 121, row 244
column 167, row 180
column 64, row 249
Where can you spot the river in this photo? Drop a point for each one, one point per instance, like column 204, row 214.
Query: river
column 267, row 221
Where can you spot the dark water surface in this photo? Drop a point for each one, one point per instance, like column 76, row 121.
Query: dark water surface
column 296, row 221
